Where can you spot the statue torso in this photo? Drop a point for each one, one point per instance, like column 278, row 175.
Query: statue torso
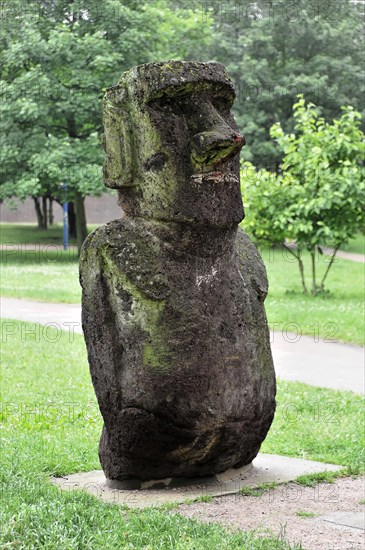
column 179, row 315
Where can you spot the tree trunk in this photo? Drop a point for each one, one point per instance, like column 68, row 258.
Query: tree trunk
column 40, row 219
column 72, row 220
column 81, row 228
column 44, row 212
column 314, row 283
column 50, row 212
column 321, row 286
column 301, row 269
column 300, row 264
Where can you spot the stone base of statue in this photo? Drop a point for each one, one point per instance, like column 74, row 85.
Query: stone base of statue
column 230, row 476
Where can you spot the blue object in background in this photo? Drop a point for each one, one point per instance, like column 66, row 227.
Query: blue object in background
column 65, row 220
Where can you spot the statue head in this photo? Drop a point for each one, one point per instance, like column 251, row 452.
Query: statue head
column 172, row 145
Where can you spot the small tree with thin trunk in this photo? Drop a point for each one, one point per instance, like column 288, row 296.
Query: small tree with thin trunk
column 317, row 200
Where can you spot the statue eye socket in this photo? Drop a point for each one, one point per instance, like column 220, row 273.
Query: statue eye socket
column 221, row 103
column 188, row 106
column 169, row 106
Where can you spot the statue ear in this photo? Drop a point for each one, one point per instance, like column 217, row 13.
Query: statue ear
column 118, row 143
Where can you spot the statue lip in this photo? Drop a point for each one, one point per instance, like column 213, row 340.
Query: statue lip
column 215, row 176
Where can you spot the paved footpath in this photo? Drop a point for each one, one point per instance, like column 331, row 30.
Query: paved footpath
column 353, row 256
column 296, row 358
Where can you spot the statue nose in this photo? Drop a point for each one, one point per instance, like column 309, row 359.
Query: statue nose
column 211, row 146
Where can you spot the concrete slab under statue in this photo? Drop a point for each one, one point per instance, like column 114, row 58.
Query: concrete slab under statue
column 264, row 469
column 173, row 293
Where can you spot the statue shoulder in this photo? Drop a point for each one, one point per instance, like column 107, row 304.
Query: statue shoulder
column 124, row 249
column 99, row 241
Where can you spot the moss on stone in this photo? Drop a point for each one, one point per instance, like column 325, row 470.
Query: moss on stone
column 145, row 314
column 206, row 159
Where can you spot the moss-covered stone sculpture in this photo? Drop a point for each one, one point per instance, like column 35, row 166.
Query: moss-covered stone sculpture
column 173, row 292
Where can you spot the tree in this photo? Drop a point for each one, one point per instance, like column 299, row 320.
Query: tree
column 275, row 50
column 58, row 57
column 318, row 198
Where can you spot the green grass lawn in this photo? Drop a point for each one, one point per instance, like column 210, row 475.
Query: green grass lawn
column 357, row 244
column 28, row 233
column 336, row 315
column 45, row 274
column 318, row 424
column 51, row 425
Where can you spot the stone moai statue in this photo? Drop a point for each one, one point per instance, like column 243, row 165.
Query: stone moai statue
column 173, row 292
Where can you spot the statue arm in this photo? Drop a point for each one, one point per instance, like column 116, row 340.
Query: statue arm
column 250, row 265
column 105, row 343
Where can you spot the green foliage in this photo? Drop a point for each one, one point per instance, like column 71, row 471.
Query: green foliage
column 317, row 199
column 324, row 163
column 57, row 60
column 275, row 50
column 264, row 200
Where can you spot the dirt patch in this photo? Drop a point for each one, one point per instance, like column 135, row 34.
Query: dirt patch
column 276, row 512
